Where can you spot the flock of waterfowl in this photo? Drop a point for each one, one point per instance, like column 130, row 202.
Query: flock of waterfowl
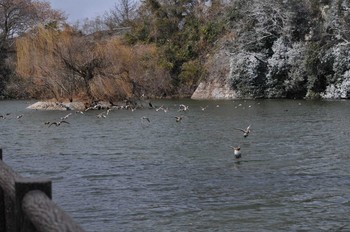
column 8, row 116
column 145, row 121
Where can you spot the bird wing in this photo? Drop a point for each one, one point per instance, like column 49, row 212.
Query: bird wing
column 65, row 122
column 53, row 123
column 145, row 118
column 65, row 117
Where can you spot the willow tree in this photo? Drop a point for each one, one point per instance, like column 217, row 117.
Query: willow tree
column 64, row 64
column 60, row 61
column 131, row 71
column 16, row 17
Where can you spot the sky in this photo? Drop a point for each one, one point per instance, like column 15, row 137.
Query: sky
column 81, row 9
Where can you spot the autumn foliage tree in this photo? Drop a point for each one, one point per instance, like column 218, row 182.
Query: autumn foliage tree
column 67, row 65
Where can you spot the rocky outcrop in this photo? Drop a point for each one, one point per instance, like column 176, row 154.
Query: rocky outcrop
column 216, row 86
column 214, row 90
column 42, row 105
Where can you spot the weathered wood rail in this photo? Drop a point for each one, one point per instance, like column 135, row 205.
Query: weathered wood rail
column 26, row 205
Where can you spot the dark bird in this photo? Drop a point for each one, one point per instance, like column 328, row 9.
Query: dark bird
column 245, row 131
column 178, row 118
column 145, row 122
column 58, row 123
column 145, row 118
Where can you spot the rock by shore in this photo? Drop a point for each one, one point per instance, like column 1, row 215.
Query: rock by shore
column 214, row 90
column 43, row 105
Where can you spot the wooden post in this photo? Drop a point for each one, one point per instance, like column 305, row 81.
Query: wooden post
column 2, row 211
column 2, row 205
column 22, row 187
column 7, row 197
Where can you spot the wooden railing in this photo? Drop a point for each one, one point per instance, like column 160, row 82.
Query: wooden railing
column 26, row 205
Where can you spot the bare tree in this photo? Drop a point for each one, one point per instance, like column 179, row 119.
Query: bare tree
column 122, row 14
column 16, row 16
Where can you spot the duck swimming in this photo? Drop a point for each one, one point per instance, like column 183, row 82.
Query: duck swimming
column 237, row 152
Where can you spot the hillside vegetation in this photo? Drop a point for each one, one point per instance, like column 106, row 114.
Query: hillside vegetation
column 165, row 48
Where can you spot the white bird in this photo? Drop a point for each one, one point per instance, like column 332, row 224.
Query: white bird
column 237, row 152
column 245, row 131
column 183, row 107
column 92, row 108
column 204, row 108
column 108, row 110
column 101, row 115
column 65, row 117
column 160, row 108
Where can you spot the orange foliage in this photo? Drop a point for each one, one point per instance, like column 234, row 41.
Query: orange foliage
column 65, row 64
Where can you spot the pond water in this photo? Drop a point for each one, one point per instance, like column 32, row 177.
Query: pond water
column 122, row 173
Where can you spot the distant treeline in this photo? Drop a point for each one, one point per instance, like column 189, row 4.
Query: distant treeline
column 278, row 49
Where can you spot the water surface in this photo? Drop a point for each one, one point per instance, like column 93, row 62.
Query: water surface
column 119, row 174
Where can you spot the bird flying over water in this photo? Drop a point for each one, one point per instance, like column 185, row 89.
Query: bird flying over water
column 145, row 118
column 245, row 131
column 178, row 118
column 204, row 108
column 58, row 123
column 183, row 107
column 65, row 117
column 101, row 115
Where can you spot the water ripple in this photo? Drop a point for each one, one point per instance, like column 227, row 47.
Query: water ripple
column 117, row 175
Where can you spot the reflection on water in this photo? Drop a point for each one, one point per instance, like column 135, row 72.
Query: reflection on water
column 116, row 174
